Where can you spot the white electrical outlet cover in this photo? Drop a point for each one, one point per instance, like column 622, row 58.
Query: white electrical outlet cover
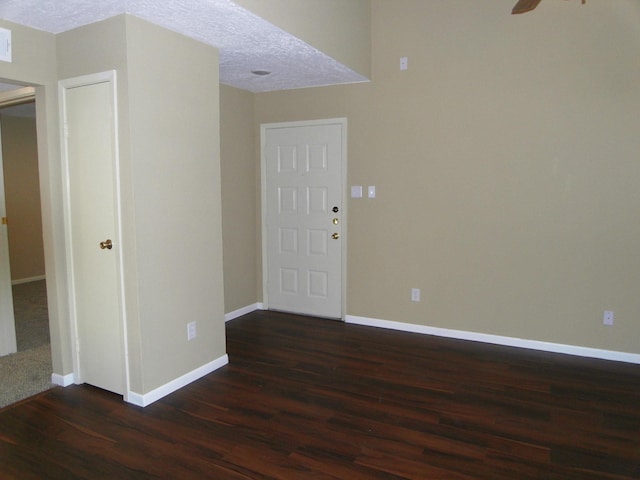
column 191, row 331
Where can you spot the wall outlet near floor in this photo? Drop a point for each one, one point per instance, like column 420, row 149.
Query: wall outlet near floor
column 415, row 294
column 191, row 331
column 607, row 318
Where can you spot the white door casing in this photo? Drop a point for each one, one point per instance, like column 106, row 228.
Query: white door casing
column 7, row 321
column 92, row 216
column 8, row 342
column 304, row 215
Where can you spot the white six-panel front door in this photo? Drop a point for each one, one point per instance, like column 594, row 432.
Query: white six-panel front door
column 304, row 217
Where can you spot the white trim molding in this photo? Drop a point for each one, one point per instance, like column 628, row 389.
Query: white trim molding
column 498, row 340
column 62, row 380
column 143, row 400
column 242, row 311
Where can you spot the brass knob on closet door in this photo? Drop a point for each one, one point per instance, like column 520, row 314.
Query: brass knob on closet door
column 335, row 236
column 106, row 244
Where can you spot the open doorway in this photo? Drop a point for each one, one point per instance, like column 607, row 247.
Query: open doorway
column 28, row 371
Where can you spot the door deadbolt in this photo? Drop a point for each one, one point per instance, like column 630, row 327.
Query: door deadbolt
column 335, row 221
column 335, row 209
column 106, row 244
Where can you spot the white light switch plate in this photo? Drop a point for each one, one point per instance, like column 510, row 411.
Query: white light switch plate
column 5, row 45
column 356, row 191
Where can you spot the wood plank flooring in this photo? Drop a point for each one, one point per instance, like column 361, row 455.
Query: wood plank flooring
column 304, row 398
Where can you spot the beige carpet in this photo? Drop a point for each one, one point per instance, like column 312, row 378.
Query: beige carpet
column 27, row 372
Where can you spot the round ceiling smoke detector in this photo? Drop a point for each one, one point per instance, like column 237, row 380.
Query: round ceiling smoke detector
column 261, row 73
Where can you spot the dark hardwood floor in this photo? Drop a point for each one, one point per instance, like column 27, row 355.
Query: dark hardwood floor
column 304, row 398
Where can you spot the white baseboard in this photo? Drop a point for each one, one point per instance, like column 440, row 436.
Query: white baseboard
column 62, row 380
column 28, row 280
column 498, row 340
column 156, row 394
column 243, row 311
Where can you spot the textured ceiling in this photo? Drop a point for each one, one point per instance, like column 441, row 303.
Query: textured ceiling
column 245, row 41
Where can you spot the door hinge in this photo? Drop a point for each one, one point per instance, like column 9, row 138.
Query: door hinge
column 5, row 221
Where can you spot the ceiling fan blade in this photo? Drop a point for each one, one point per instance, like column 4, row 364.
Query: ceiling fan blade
column 525, row 6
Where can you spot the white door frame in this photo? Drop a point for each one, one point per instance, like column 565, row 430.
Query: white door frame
column 263, row 169
column 63, row 86
column 8, row 341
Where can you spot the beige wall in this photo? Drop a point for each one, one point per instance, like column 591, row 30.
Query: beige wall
column 175, row 151
column 22, row 194
column 34, row 63
column 504, row 160
column 339, row 28
column 506, row 167
column 239, row 198
column 82, row 52
column 170, row 184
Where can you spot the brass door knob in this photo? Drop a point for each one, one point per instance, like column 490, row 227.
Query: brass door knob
column 335, row 221
column 106, row 244
column 335, row 236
